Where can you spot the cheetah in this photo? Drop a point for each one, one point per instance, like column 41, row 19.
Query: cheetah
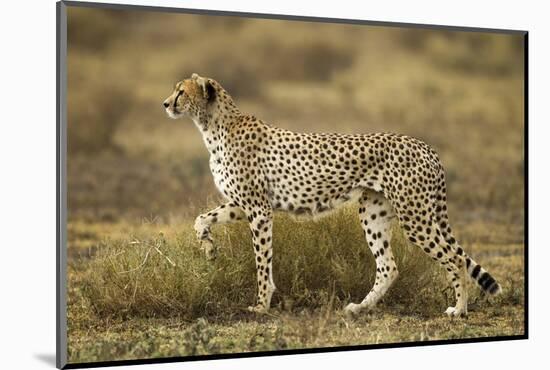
column 260, row 169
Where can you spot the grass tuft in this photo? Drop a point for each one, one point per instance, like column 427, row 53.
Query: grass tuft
column 314, row 261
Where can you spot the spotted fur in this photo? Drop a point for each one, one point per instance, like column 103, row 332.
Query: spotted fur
column 260, row 169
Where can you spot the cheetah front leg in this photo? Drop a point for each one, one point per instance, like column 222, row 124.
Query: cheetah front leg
column 261, row 226
column 223, row 214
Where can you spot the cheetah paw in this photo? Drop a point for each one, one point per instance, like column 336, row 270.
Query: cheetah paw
column 210, row 251
column 455, row 312
column 257, row 309
column 352, row 310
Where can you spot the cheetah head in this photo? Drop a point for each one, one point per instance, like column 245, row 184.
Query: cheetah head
column 190, row 98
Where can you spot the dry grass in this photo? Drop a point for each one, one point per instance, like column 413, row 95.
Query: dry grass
column 133, row 173
column 161, row 276
column 142, row 338
column 150, row 292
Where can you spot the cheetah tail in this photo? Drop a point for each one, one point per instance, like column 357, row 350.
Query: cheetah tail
column 482, row 277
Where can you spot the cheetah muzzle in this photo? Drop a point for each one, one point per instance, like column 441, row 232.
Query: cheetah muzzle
column 260, row 169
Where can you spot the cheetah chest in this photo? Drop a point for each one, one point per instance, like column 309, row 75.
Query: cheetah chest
column 219, row 174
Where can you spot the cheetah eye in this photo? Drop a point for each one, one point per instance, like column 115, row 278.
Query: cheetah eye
column 180, row 93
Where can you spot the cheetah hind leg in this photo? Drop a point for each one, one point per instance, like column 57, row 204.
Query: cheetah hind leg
column 432, row 242
column 376, row 213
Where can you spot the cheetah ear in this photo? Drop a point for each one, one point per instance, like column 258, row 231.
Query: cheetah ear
column 208, row 91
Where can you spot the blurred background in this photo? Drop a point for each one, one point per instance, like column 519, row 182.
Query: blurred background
column 461, row 92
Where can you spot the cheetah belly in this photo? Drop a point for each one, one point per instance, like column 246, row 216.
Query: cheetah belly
column 313, row 203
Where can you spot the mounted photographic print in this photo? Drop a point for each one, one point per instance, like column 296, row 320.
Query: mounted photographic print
column 235, row 184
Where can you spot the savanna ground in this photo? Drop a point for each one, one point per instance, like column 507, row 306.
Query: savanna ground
column 138, row 284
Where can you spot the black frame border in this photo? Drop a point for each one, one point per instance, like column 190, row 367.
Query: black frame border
column 61, row 184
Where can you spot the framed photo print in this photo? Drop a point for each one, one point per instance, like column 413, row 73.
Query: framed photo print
column 234, row 184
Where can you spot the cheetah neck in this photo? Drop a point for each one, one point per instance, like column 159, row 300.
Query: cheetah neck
column 213, row 125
